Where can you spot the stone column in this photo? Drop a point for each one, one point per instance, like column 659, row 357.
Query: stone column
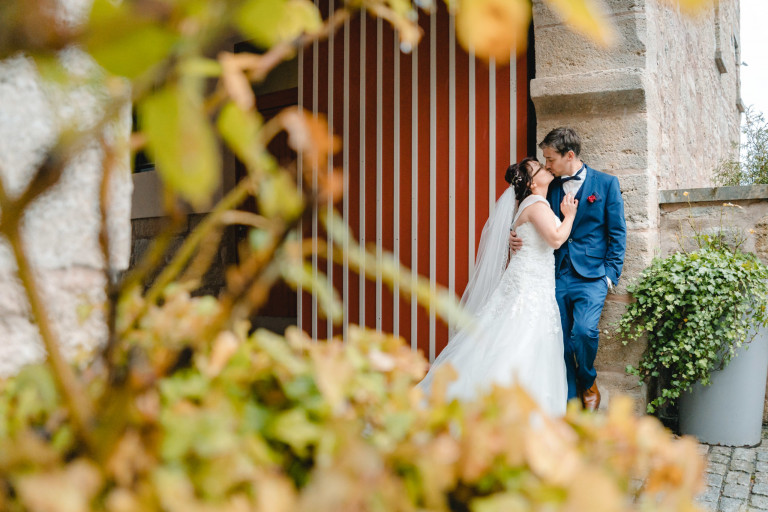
column 61, row 228
column 653, row 109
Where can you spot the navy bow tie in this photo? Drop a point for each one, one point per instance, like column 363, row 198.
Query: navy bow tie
column 574, row 177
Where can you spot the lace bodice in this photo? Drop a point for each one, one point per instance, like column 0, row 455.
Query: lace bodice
column 516, row 336
column 530, row 274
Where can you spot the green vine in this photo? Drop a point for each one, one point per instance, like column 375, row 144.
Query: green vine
column 696, row 308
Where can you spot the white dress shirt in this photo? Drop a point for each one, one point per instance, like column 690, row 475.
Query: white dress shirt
column 573, row 186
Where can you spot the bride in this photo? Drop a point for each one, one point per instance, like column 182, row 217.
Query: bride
column 516, row 336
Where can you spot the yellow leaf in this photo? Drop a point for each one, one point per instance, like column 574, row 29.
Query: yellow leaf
column 275, row 493
column 495, row 29
column 587, row 17
column 592, row 489
column 224, row 348
column 500, row 502
column 268, row 22
column 240, row 130
column 66, row 489
column 333, row 372
column 125, row 41
column 294, row 428
column 182, row 142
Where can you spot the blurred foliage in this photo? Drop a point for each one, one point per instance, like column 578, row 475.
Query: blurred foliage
column 750, row 167
column 696, row 308
column 184, row 408
column 278, row 423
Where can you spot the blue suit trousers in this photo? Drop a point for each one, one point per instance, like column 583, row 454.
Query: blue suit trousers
column 581, row 302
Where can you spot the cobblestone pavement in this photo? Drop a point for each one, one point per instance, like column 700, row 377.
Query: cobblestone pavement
column 736, row 478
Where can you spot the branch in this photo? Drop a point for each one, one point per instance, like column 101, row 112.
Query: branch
column 185, row 252
column 75, row 397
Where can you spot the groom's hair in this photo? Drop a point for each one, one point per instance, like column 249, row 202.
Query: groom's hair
column 562, row 140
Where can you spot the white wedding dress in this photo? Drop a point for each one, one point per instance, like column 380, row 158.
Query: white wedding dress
column 516, row 336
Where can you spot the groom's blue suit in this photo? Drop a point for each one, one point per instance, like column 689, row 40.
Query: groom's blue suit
column 594, row 251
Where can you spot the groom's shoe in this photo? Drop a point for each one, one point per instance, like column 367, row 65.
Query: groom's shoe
column 591, row 398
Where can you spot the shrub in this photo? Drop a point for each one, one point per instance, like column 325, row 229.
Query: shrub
column 273, row 423
column 696, row 309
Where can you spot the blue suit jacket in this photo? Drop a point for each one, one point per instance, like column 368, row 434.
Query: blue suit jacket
column 599, row 236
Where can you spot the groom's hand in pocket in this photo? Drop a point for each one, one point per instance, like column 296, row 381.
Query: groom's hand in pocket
column 515, row 243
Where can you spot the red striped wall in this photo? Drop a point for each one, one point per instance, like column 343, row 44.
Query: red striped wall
column 428, row 136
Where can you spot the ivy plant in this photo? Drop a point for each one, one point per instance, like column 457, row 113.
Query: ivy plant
column 696, row 309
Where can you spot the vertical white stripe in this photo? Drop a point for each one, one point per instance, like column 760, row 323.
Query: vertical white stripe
column 379, row 168
column 432, row 175
column 329, row 169
column 513, row 106
column 300, row 185
column 472, row 159
column 491, row 135
column 345, row 204
column 396, row 191
column 315, row 164
column 452, row 159
column 414, row 191
column 361, row 291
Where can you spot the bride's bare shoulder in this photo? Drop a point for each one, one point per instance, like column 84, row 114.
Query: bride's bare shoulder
column 533, row 212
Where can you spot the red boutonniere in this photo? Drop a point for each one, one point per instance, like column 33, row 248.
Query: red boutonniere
column 591, row 199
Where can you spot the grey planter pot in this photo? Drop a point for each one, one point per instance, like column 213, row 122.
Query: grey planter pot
column 729, row 412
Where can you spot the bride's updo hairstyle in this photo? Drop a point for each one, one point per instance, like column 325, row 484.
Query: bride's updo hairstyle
column 519, row 176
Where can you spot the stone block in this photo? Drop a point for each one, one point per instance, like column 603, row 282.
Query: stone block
column 738, row 477
column 590, row 92
column 714, row 480
column 613, row 383
column 732, row 505
column 716, row 457
column 612, row 354
column 610, row 142
column 710, row 495
column 641, row 248
column 717, row 469
column 746, row 454
column 722, row 450
column 759, row 501
column 640, row 205
column 151, row 227
column 742, row 465
column 582, row 54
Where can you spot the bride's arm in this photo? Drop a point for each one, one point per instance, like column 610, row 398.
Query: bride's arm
column 545, row 221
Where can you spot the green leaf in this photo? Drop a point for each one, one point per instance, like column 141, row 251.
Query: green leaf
column 123, row 42
column 269, row 22
column 240, row 130
column 302, row 275
column 279, row 197
column 182, row 142
column 295, row 429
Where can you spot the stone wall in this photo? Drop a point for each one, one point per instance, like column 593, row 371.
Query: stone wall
column 653, row 110
column 145, row 230
column 61, row 228
column 742, row 211
column 694, row 119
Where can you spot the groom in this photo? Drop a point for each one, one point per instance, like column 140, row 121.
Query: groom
column 589, row 264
